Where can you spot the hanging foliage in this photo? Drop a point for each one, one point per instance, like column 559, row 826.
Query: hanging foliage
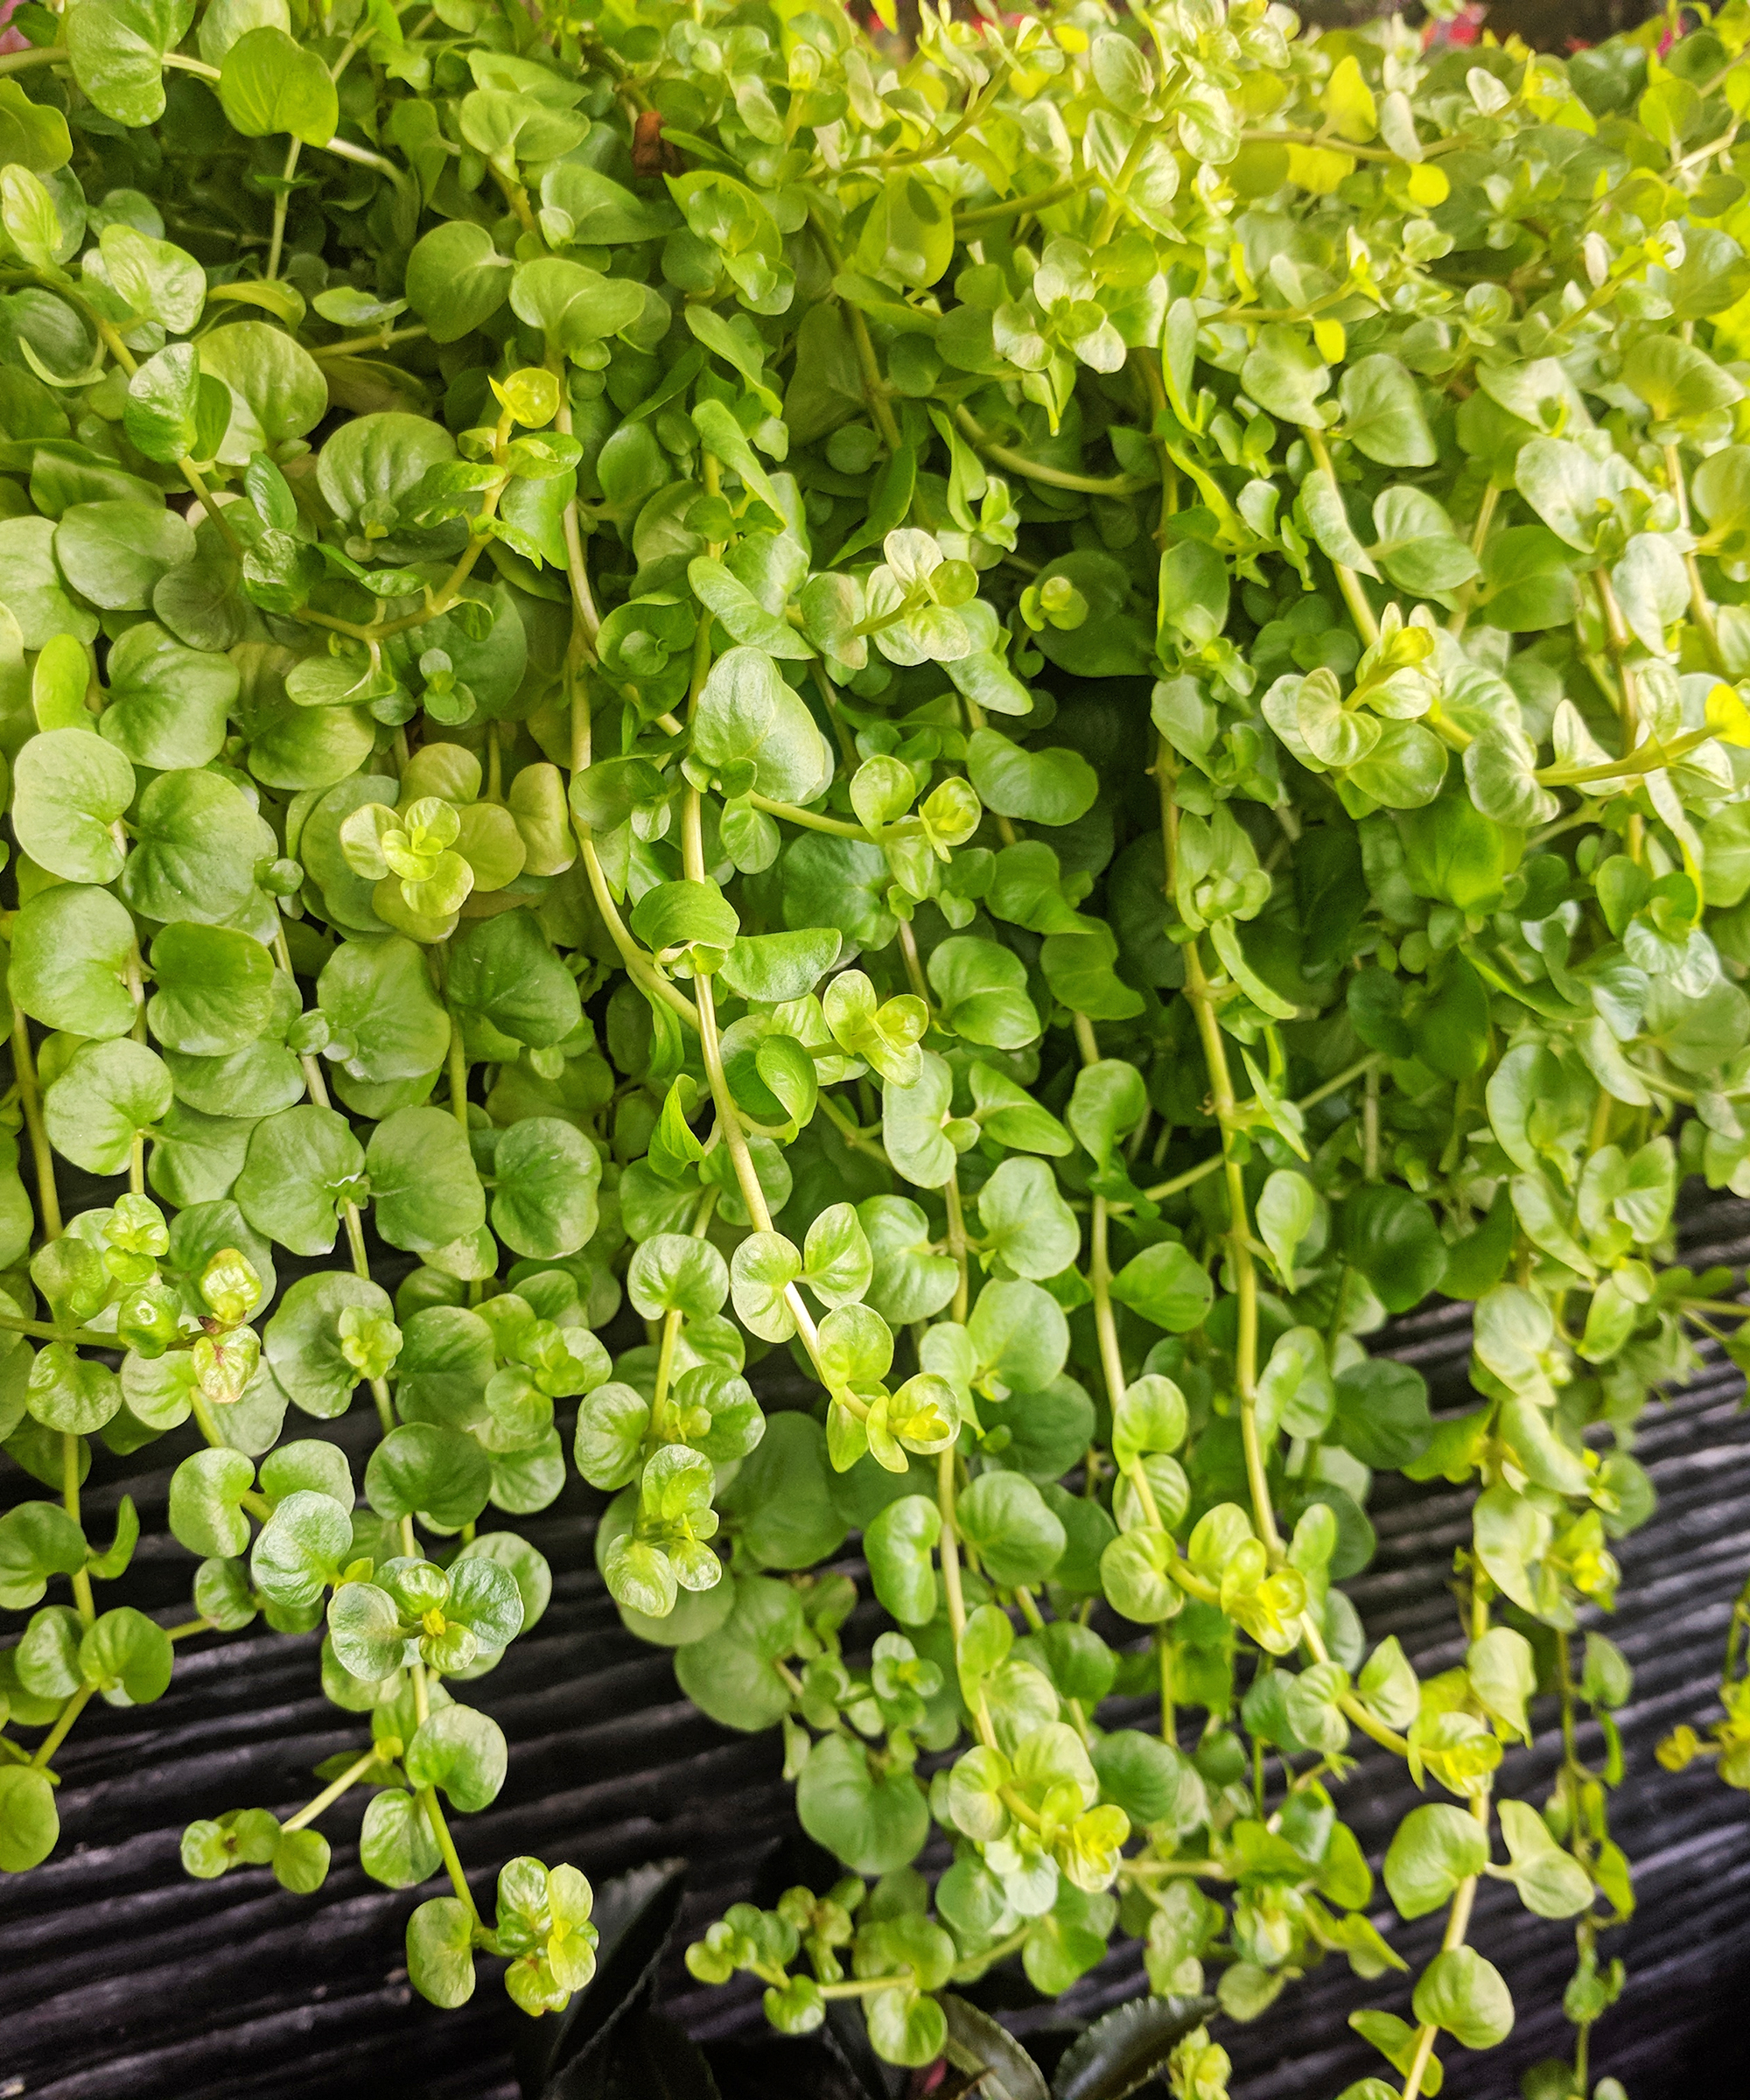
column 1040, row 724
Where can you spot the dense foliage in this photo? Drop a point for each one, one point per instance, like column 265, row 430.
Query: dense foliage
column 1050, row 721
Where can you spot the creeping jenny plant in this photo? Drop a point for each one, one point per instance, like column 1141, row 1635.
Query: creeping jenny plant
column 1048, row 721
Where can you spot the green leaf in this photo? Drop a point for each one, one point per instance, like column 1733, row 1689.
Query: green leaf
column 68, row 790
column 751, row 729
column 460, row 1752
column 29, row 1827
column 364, row 1626
column 205, row 1493
column 1563, row 484
column 128, row 1657
column 167, row 704
column 276, row 387
column 780, row 1501
column 1433, row 1849
column 1019, row 1338
column 740, row 611
column 1151, row 1417
column 118, row 48
column 395, row 1843
column 1679, row 382
column 116, row 554
column 898, row 1545
column 678, row 915
column 1382, row 412
column 1025, row 1223
column 70, row 1393
column 1008, row 1522
column 1108, row 1101
column 301, row 1166
column 301, row 1549
column 196, row 846
column 1165, row 1285
column 268, row 84
column 313, row 1347
column 772, row 967
column 1465, row 1995
column 215, row 990
column 1284, row 373
column 108, row 1094
column 160, row 281
column 1504, row 1675
column 1381, row 1412
column 36, row 1540
column 1154, row 1782
column 730, row 1675
column 981, row 988
column 1051, row 786
column 546, row 1173
column 1551, row 1882
column 426, row 1193
column 1392, row 1237
column 379, row 992
column 1527, row 583
column 673, row 1272
column 424, row 1470
column 503, row 969
column 875, row 1821
column 440, row 1962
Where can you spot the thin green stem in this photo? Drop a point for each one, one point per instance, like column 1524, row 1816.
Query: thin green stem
column 31, row 1102
column 44, row 1330
column 22, row 61
column 812, row 820
column 63, row 1725
column 446, row 1846
column 1053, row 477
column 331, row 1792
column 847, row 1128
column 956, row 1246
column 356, row 344
column 71, row 1449
column 1015, row 208
column 456, row 1064
column 874, row 387
column 1347, row 581
column 867, row 1987
column 281, row 200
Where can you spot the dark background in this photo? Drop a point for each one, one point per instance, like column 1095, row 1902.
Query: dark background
column 123, row 1979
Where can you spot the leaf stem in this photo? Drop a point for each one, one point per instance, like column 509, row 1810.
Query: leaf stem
column 1014, row 207
column 45, row 1331
column 281, row 200
column 847, row 1128
column 63, row 1725
column 331, row 1792
column 1239, row 1232
column 957, row 1246
column 1347, row 581
column 30, row 1102
column 874, row 387
column 1053, row 477
column 70, row 1446
column 356, row 344
column 1239, row 1241
column 811, row 820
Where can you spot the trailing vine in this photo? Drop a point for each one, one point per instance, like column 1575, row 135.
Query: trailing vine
column 1052, row 719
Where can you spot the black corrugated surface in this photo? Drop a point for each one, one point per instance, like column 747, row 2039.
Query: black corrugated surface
column 122, row 1978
